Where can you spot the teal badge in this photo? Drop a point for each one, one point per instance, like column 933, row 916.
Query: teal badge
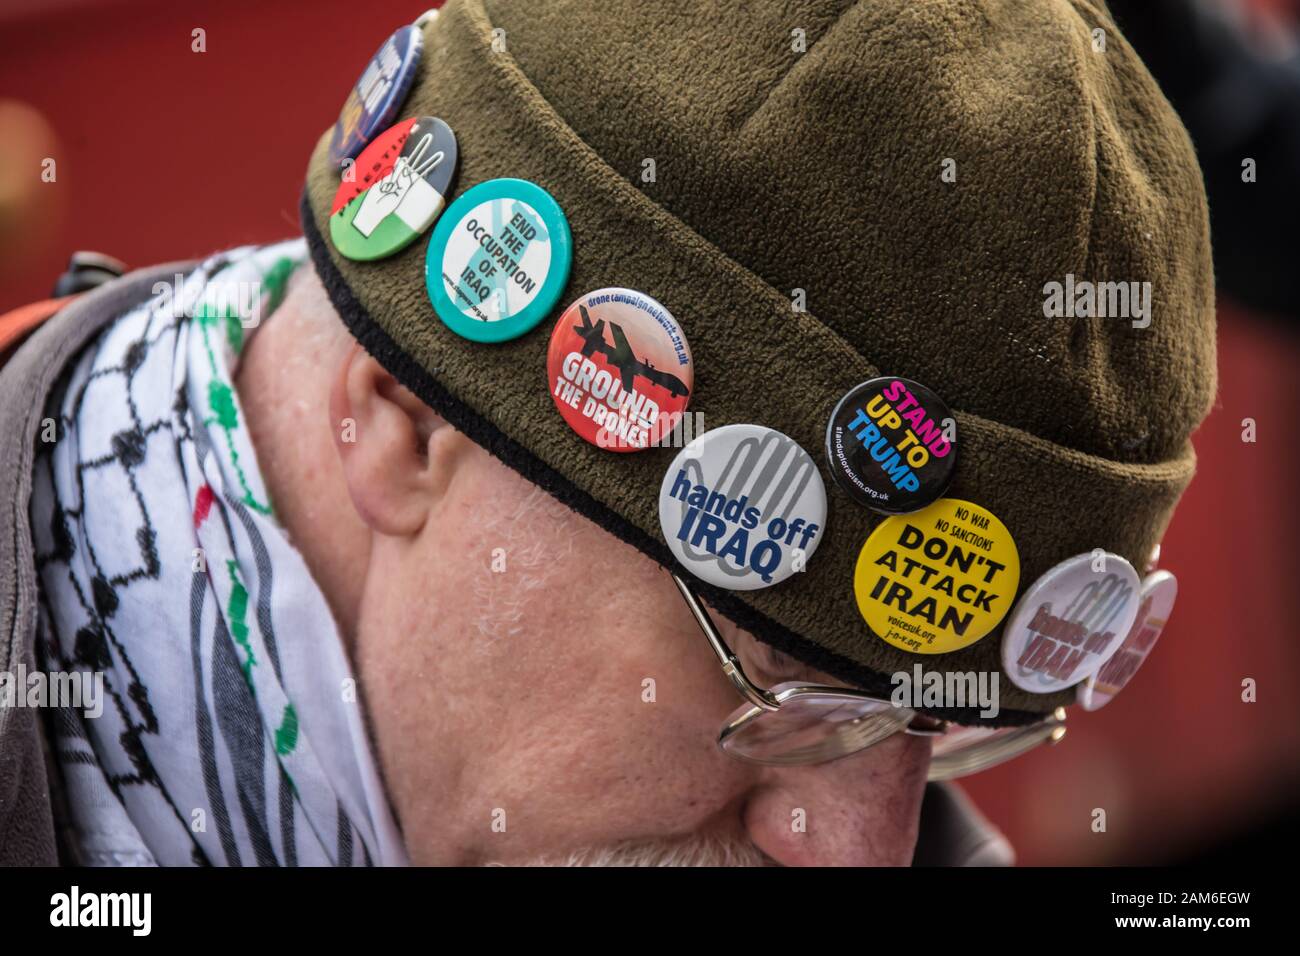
column 498, row 260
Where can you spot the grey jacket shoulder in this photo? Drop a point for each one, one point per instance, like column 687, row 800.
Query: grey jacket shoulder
column 26, row 823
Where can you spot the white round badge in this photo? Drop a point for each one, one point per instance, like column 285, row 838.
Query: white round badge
column 1070, row 622
column 1159, row 591
column 743, row 507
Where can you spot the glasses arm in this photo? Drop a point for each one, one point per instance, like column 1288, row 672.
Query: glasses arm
column 730, row 666
column 960, row 761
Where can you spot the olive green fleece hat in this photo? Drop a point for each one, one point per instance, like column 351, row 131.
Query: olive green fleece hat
column 921, row 170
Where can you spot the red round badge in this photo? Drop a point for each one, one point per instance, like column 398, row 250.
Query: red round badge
column 620, row 370
column 375, row 162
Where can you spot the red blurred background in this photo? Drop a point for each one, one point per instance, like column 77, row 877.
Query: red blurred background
column 164, row 154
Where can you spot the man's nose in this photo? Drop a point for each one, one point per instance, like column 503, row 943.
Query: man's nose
column 860, row 810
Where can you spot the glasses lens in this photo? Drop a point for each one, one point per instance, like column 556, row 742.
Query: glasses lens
column 810, row 726
column 967, row 750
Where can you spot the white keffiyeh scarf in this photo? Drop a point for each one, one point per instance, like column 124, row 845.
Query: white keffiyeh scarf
column 231, row 732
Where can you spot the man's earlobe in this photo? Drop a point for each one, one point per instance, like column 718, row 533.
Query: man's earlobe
column 384, row 434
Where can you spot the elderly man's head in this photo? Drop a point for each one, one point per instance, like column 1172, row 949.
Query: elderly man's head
column 523, row 708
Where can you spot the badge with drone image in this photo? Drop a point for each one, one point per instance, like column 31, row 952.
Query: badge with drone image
column 620, row 370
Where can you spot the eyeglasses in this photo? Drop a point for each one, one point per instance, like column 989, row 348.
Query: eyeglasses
column 793, row 723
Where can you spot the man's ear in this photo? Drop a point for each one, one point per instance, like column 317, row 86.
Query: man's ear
column 390, row 445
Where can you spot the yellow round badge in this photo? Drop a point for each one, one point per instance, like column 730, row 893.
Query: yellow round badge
column 937, row 579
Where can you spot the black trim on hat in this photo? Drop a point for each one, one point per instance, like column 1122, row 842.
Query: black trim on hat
column 482, row 432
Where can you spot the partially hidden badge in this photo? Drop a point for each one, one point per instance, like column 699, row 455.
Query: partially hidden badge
column 619, row 369
column 1070, row 622
column 498, row 260
column 937, row 580
column 378, row 95
column 743, row 507
column 892, row 445
column 1159, row 591
column 391, row 212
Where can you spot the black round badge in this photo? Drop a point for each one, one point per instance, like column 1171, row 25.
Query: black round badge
column 892, row 445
